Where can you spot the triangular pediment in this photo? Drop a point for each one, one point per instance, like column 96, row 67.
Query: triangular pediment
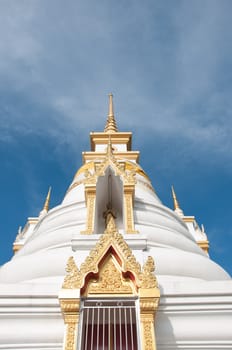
column 127, row 176
column 110, row 280
column 110, row 252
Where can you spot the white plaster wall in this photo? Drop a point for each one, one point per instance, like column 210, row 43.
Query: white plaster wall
column 195, row 315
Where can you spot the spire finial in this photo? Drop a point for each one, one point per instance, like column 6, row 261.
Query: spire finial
column 47, row 201
column 175, row 201
column 111, row 126
column 177, row 208
column 111, row 106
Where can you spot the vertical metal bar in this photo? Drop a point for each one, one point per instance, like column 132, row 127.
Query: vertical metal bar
column 131, row 328
column 125, row 322
column 108, row 328
column 114, row 329
column 86, row 327
column 103, row 328
column 92, row 328
column 98, row 311
column 120, row 328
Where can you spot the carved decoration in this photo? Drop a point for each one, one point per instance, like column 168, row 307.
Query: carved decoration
column 70, row 340
column 98, row 167
column 70, row 308
column 110, row 269
column 90, row 180
column 90, row 212
column 148, row 338
column 128, row 177
column 109, row 220
column 110, row 281
column 147, row 326
column 129, row 212
column 90, row 194
column 148, row 279
column 71, row 280
column 111, row 238
column 119, row 168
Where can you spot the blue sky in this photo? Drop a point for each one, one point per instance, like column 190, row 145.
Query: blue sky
column 168, row 64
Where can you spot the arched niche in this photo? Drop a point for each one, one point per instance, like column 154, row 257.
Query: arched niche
column 109, row 174
column 109, row 196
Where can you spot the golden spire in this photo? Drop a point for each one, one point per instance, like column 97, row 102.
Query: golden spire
column 47, row 201
column 111, row 126
column 175, row 202
column 177, row 208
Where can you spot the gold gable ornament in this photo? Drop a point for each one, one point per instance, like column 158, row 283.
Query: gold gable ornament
column 110, row 270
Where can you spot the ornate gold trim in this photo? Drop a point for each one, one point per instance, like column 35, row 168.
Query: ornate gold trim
column 111, row 239
column 110, row 269
column 88, row 157
column 147, row 331
column 70, row 309
column 128, row 178
column 128, row 208
column 110, row 280
column 90, row 193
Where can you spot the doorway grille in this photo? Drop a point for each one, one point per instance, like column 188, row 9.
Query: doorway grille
column 108, row 324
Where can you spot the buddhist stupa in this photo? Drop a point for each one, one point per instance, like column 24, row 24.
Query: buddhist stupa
column 111, row 267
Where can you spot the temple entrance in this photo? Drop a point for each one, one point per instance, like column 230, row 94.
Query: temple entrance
column 109, row 324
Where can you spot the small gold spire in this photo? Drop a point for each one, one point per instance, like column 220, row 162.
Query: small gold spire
column 175, row 201
column 47, row 201
column 111, row 126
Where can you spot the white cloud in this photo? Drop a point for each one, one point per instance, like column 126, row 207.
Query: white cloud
column 164, row 62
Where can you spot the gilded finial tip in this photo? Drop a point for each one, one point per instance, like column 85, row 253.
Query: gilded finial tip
column 47, row 201
column 111, row 126
column 175, row 202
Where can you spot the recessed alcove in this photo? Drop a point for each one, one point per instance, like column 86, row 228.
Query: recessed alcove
column 109, row 196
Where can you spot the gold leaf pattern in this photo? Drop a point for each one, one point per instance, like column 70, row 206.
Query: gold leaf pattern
column 110, row 281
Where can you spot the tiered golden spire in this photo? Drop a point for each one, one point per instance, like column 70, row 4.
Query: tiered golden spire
column 111, row 125
column 47, row 201
column 175, row 201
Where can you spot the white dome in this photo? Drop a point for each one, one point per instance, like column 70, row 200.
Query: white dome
column 43, row 257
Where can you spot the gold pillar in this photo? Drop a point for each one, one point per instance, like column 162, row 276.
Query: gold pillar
column 90, row 195
column 149, row 300
column 71, row 311
column 128, row 208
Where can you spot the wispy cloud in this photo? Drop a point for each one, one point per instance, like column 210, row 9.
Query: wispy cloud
column 166, row 62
